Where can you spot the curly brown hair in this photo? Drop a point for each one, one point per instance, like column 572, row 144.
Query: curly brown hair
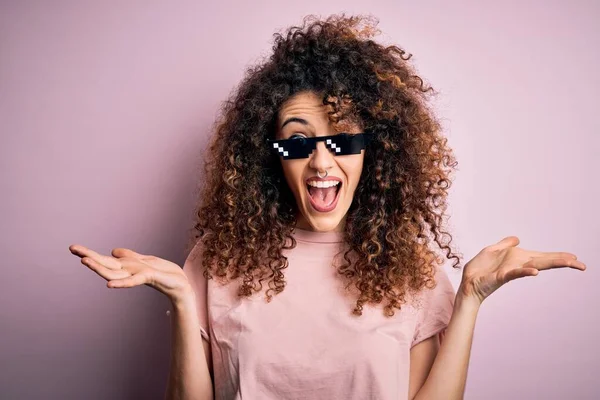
column 246, row 213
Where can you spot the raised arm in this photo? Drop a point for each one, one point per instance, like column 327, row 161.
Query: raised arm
column 189, row 376
column 494, row 266
column 448, row 375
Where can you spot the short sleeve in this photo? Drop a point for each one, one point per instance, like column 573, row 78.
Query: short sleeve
column 436, row 308
column 193, row 270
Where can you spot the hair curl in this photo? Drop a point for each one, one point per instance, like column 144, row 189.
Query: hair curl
column 247, row 211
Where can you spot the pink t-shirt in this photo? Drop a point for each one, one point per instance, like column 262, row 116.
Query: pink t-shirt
column 306, row 343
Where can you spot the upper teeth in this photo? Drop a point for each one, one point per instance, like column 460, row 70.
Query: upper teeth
column 323, row 184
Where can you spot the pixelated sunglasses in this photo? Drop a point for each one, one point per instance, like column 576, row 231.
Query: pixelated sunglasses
column 340, row 144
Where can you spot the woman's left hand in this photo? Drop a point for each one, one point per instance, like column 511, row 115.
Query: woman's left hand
column 504, row 261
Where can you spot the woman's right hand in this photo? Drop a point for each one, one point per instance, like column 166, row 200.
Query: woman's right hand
column 126, row 269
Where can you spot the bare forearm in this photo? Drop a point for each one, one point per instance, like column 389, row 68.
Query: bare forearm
column 189, row 377
column 448, row 376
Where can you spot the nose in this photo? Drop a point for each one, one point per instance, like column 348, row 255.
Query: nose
column 321, row 158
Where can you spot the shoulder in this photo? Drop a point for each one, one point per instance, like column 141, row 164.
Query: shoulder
column 434, row 307
column 441, row 289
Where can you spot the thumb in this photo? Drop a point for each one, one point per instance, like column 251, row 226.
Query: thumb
column 122, row 252
column 508, row 241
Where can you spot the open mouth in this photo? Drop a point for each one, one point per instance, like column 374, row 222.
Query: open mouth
column 324, row 195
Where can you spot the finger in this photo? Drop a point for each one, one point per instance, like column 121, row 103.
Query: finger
column 106, row 273
column 107, row 261
column 134, row 280
column 543, row 263
column 553, row 254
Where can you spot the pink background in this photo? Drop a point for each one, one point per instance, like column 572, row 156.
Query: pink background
column 105, row 108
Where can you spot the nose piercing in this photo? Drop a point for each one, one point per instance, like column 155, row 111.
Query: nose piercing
column 319, row 175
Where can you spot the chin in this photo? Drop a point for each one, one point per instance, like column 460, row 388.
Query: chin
column 322, row 223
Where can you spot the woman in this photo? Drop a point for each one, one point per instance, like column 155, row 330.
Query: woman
column 326, row 186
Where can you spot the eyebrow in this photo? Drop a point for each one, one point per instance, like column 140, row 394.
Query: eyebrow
column 295, row 119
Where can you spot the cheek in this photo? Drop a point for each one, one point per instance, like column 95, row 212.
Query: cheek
column 353, row 169
column 292, row 170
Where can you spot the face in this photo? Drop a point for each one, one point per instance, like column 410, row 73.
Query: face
column 322, row 205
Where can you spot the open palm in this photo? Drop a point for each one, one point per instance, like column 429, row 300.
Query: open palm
column 504, row 261
column 126, row 268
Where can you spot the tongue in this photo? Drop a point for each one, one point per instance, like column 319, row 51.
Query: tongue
column 323, row 196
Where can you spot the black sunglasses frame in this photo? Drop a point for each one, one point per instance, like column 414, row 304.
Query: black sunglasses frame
column 340, row 144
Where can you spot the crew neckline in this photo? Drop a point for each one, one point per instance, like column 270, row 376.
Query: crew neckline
column 318, row 237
